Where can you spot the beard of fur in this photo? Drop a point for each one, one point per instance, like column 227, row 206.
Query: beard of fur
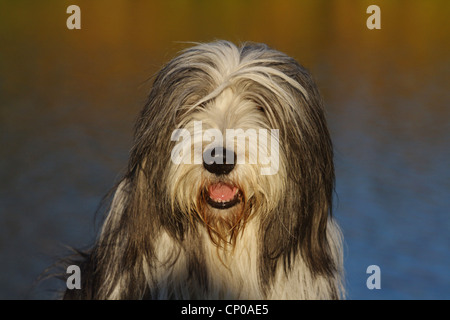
column 258, row 196
column 223, row 229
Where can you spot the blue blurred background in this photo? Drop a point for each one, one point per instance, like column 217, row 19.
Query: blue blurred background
column 68, row 100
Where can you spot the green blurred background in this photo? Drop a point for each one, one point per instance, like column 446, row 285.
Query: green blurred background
column 68, row 100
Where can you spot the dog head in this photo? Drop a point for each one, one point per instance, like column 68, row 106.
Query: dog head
column 186, row 169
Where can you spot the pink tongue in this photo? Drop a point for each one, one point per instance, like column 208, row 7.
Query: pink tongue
column 222, row 192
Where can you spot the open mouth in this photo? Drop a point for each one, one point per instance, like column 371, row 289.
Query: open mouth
column 222, row 196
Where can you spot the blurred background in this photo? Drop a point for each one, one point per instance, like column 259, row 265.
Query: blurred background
column 69, row 98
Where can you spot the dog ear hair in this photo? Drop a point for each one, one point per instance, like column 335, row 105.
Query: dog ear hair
column 300, row 226
column 138, row 211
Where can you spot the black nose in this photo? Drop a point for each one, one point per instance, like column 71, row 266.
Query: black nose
column 215, row 160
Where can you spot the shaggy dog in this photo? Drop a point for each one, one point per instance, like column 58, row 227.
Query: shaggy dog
column 228, row 190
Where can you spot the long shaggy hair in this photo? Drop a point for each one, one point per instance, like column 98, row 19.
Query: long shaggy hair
column 223, row 229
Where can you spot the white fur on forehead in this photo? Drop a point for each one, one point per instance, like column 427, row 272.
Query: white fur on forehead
column 228, row 66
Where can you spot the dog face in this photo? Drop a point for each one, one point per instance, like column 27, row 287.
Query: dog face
column 285, row 174
column 229, row 165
